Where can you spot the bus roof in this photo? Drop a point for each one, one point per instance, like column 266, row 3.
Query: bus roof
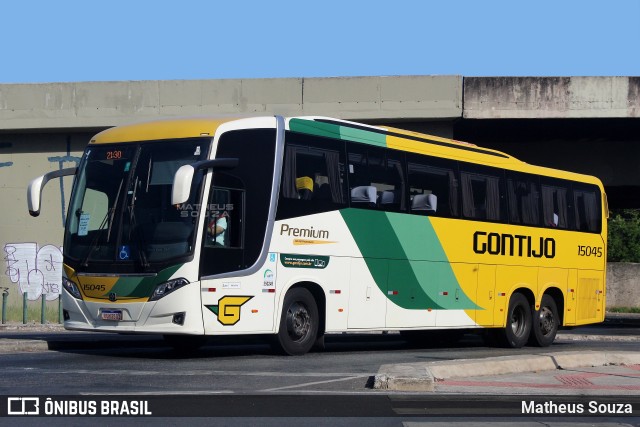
column 160, row 129
column 382, row 136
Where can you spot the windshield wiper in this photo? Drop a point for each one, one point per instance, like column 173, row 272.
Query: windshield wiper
column 133, row 224
column 108, row 216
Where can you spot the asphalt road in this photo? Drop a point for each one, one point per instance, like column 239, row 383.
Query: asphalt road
column 83, row 363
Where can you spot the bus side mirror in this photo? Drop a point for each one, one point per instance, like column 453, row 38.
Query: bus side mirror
column 182, row 184
column 34, row 190
column 183, row 178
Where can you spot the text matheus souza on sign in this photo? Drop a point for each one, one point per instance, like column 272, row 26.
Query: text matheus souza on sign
column 593, row 407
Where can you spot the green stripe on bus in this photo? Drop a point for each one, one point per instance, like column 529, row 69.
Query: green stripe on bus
column 429, row 261
column 416, row 264
column 331, row 130
column 141, row 287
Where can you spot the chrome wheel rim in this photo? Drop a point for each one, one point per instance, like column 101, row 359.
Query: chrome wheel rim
column 298, row 321
column 547, row 321
column 518, row 321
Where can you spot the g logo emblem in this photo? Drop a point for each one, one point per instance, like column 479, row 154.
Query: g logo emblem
column 113, row 297
column 228, row 309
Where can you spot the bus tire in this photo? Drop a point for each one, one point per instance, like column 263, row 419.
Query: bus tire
column 545, row 322
column 298, row 323
column 518, row 327
column 319, row 344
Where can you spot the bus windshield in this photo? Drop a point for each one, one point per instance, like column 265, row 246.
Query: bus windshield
column 120, row 211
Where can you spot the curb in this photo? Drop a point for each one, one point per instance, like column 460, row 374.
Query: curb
column 423, row 376
column 22, row 346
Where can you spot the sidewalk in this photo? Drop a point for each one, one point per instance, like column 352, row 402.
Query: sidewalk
column 555, row 373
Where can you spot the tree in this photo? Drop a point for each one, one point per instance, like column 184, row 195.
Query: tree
column 624, row 236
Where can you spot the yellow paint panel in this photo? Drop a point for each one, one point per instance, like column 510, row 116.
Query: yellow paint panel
column 467, row 277
column 458, row 239
column 485, row 295
column 96, row 287
column 165, row 129
column 420, row 147
column 120, row 300
column 69, row 272
column 552, row 278
column 508, row 279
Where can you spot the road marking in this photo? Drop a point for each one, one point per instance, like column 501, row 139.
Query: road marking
column 315, row 383
column 156, row 393
column 188, row 373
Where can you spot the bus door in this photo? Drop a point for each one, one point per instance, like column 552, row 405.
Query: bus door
column 238, row 278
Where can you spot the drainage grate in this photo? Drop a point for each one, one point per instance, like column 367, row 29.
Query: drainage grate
column 574, row 380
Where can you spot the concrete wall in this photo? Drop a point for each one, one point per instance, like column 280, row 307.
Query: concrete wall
column 104, row 104
column 551, row 97
column 623, row 284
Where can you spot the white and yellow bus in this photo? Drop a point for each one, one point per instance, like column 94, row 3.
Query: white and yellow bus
column 300, row 226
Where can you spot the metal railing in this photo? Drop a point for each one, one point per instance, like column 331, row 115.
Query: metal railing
column 25, row 304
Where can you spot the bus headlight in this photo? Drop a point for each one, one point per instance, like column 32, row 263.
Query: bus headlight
column 167, row 287
column 72, row 288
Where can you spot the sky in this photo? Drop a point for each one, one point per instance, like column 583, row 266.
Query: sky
column 115, row 40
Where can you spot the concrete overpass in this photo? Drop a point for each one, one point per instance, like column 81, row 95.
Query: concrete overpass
column 584, row 124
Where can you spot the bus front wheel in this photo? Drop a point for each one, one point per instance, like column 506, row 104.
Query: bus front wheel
column 545, row 323
column 298, row 322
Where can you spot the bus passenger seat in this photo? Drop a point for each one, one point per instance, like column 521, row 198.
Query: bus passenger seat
column 304, row 185
column 365, row 195
column 389, row 199
column 424, row 203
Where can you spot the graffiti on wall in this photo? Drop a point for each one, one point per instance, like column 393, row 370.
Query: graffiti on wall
column 37, row 271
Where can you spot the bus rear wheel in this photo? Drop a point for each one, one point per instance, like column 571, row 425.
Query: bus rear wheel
column 518, row 327
column 545, row 323
column 298, row 323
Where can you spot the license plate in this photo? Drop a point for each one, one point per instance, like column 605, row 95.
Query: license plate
column 111, row 315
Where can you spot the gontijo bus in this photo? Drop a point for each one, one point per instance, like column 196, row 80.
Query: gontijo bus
column 300, row 226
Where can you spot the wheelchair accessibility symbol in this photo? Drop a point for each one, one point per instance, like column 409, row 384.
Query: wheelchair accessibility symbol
column 124, row 252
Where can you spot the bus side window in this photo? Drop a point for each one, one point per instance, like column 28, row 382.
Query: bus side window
column 587, row 208
column 376, row 178
column 313, row 178
column 433, row 186
column 523, row 198
column 224, row 216
column 482, row 192
column 557, row 209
